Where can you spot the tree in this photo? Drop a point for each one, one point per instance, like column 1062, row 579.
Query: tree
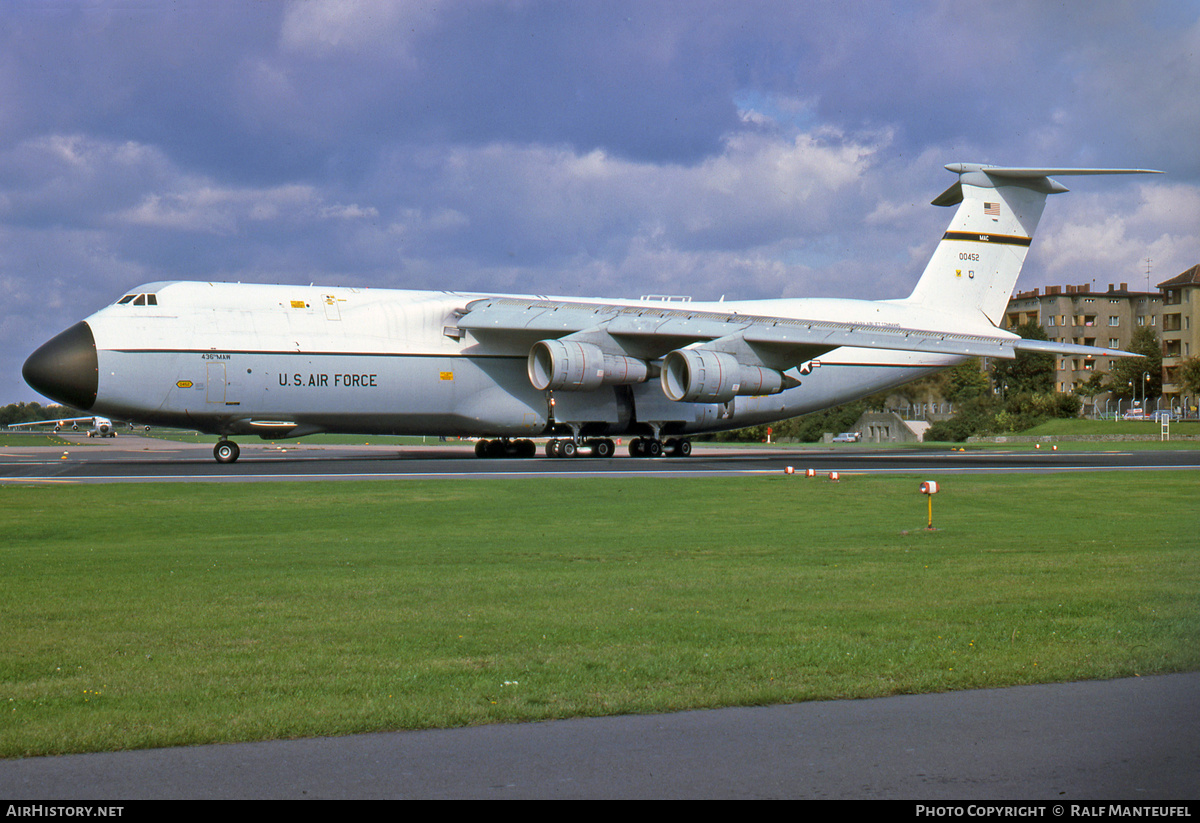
column 1138, row 377
column 30, row 412
column 965, row 381
column 1189, row 375
column 1094, row 385
column 1030, row 372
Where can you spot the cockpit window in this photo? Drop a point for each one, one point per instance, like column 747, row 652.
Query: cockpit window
column 139, row 300
column 126, row 299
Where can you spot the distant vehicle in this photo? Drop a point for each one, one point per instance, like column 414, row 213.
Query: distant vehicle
column 1135, row 414
column 848, row 437
column 1164, row 414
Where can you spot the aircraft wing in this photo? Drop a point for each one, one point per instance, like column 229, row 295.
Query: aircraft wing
column 651, row 331
column 54, row 421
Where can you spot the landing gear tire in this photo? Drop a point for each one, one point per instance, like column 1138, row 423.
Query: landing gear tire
column 505, row 448
column 678, row 447
column 567, row 448
column 603, row 448
column 645, row 447
column 226, row 451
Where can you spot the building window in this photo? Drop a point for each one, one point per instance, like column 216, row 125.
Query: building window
column 1114, row 321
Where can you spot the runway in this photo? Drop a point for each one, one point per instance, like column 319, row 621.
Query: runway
column 133, row 458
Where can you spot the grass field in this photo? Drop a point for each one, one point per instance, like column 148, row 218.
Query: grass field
column 39, row 439
column 155, row 615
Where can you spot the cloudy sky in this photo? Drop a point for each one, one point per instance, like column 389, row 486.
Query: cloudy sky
column 745, row 149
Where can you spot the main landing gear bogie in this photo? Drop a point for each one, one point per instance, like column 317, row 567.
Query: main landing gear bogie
column 505, row 448
column 567, row 447
column 638, row 447
column 653, row 447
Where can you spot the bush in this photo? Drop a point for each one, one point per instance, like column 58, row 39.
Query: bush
column 987, row 415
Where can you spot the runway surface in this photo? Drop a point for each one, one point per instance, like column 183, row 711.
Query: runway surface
column 138, row 459
column 1135, row 740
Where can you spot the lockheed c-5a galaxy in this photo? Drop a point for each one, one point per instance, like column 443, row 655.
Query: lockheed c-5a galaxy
column 285, row 361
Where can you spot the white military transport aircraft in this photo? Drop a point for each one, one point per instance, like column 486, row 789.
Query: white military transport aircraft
column 286, row 361
column 96, row 426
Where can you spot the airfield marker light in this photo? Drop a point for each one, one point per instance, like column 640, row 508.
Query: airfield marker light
column 929, row 488
column 833, row 476
column 811, row 473
column 789, row 470
column 1054, row 447
column 1037, row 445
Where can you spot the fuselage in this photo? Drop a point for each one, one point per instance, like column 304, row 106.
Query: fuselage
column 281, row 361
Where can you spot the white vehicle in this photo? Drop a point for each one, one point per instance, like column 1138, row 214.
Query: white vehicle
column 284, row 361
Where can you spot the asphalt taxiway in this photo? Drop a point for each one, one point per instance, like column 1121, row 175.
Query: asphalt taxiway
column 134, row 458
column 1134, row 741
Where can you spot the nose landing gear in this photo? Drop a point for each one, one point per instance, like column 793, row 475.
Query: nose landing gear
column 226, row 451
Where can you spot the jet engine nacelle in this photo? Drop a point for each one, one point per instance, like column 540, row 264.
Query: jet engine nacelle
column 703, row 376
column 571, row 365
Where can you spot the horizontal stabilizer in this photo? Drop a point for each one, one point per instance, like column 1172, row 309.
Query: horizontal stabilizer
column 1038, row 179
column 1048, row 347
column 1019, row 172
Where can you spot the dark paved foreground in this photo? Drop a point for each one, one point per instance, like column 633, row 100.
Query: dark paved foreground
column 1136, row 740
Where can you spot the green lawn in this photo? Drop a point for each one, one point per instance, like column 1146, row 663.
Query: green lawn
column 153, row 615
column 1121, row 427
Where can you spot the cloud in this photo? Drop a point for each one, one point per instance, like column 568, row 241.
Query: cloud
column 1108, row 238
column 202, row 207
column 740, row 149
column 321, row 27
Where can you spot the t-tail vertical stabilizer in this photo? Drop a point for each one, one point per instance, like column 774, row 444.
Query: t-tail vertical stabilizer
column 976, row 264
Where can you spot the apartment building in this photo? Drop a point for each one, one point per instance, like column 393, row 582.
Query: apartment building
column 1077, row 314
column 1180, row 333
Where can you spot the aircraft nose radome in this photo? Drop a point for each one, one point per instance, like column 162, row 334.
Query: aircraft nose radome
column 65, row 368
